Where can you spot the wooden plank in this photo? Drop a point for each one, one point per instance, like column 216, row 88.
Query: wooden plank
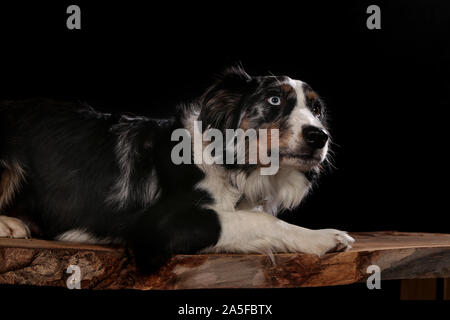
column 399, row 256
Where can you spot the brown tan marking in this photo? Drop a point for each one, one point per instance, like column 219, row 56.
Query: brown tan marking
column 268, row 146
column 244, row 123
column 287, row 89
column 311, row 95
column 284, row 138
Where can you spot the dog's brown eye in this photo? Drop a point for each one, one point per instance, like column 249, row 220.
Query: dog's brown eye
column 274, row 100
column 317, row 110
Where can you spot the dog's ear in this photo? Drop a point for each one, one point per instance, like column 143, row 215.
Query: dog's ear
column 221, row 103
column 235, row 74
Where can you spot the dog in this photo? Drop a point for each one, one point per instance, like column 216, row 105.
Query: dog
column 70, row 173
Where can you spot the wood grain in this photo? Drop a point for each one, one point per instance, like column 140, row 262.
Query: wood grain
column 399, row 256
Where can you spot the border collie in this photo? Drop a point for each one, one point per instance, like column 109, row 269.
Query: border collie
column 70, row 173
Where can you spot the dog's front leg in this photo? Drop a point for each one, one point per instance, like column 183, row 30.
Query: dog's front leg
column 171, row 227
column 249, row 231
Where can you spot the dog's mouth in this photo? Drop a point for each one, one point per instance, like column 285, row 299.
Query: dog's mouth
column 309, row 157
column 304, row 160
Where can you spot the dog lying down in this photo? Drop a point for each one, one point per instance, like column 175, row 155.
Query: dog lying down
column 73, row 174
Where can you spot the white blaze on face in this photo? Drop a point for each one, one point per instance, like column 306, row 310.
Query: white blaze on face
column 301, row 116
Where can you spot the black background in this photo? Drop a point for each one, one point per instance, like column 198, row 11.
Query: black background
column 387, row 90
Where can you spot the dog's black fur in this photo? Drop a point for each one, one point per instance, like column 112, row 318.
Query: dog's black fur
column 68, row 153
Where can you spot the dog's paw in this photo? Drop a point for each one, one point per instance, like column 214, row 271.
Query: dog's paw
column 329, row 240
column 13, row 228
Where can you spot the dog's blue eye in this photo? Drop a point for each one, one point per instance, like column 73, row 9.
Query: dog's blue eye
column 274, row 101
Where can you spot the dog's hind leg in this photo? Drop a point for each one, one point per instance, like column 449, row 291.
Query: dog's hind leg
column 13, row 228
column 11, row 176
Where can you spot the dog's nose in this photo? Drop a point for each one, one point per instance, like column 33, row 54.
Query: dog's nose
column 314, row 137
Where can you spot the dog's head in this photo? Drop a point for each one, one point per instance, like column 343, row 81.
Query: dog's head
column 238, row 100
